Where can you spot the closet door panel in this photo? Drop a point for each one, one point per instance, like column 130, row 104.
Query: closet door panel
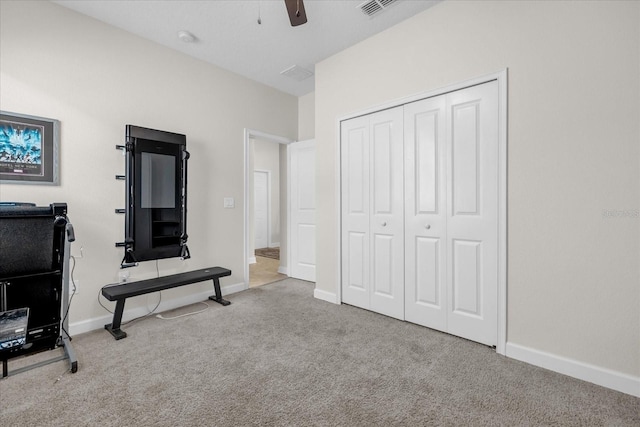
column 428, row 285
column 472, row 209
column 383, row 265
column 387, row 212
column 465, row 141
column 357, row 267
column 355, row 191
column 425, row 213
column 466, row 279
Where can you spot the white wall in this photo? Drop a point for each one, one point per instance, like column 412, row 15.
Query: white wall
column 96, row 79
column 306, row 116
column 573, row 152
column 267, row 158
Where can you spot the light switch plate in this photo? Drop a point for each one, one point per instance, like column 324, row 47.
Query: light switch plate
column 229, row 202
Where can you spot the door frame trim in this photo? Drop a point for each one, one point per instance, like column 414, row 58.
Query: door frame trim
column 247, row 135
column 268, row 173
column 501, row 77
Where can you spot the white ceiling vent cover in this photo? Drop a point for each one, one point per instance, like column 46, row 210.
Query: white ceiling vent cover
column 372, row 7
column 298, row 73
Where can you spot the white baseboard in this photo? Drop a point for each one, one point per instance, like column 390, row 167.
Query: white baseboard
column 325, row 296
column 274, row 245
column 99, row 322
column 604, row 377
column 283, row 270
column 252, row 260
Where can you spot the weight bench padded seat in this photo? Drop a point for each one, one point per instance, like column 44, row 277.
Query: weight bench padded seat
column 119, row 292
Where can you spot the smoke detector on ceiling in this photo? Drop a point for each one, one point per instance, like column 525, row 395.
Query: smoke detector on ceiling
column 186, row 36
column 298, row 73
column 372, row 7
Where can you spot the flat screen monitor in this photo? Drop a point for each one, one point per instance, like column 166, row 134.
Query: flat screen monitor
column 158, row 184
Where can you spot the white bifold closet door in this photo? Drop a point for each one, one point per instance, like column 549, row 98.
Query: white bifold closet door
column 373, row 212
column 451, row 232
column 426, row 213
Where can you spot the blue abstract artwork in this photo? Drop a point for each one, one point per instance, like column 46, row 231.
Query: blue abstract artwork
column 21, row 148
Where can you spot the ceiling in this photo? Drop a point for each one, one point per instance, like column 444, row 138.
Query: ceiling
column 228, row 34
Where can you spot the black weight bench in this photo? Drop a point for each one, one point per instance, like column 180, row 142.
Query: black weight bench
column 119, row 292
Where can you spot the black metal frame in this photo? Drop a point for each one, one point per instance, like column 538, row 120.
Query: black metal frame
column 139, row 244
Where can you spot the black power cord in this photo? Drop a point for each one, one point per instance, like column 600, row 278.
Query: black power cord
column 73, row 293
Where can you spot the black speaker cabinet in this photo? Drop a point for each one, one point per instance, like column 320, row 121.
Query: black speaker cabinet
column 32, row 253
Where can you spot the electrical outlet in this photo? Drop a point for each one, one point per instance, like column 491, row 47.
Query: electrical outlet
column 75, row 254
column 123, row 276
column 229, row 203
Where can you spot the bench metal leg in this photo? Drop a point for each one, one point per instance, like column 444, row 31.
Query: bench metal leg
column 114, row 328
column 218, row 296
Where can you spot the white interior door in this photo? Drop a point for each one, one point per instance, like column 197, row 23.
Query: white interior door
column 372, row 192
column 354, row 163
column 451, row 217
column 387, row 212
column 472, row 212
column 425, row 213
column 302, row 175
column 261, row 208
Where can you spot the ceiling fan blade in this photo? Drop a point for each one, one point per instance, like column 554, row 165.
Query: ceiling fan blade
column 297, row 15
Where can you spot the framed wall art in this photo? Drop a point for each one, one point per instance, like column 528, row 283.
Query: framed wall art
column 29, row 149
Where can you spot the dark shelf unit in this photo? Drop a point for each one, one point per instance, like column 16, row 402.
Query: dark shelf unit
column 164, row 232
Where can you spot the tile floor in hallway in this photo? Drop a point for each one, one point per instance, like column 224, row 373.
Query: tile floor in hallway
column 264, row 271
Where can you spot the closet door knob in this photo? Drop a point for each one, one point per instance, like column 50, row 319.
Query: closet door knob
column 427, row 226
column 384, row 224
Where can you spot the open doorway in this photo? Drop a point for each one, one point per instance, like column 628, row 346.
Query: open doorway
column 266, row 206
column 266, row 213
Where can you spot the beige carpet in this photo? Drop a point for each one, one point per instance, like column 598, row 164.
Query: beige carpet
column 278, row 357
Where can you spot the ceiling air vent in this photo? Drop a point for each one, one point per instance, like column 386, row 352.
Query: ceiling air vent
column 298, row 73
column 372, row 7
